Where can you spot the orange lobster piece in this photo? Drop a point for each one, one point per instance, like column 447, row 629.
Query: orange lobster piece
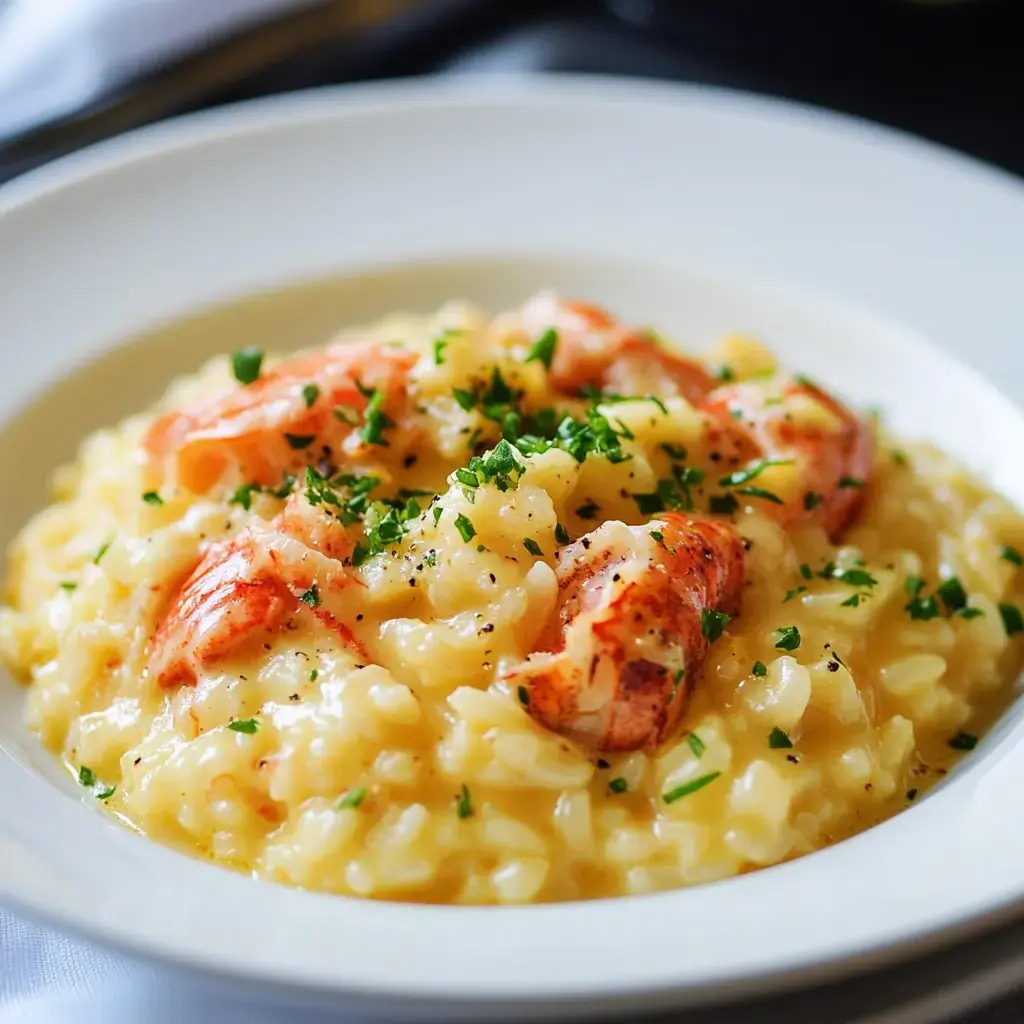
column 594, row 350
column 251, row 585
column 308, row 404
column 835, row 459
column 638, row 607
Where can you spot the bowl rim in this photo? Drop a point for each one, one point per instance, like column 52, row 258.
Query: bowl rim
column 584, row 94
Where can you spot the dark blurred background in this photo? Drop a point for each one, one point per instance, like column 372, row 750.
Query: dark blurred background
column 951, row 71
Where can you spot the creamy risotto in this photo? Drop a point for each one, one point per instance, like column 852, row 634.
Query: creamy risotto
column 530, row 608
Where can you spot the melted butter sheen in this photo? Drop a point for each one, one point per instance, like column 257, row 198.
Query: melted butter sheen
column 413, row 773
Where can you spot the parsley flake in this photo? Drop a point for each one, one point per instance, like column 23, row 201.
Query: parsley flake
column 561, row 534
column 299, row 441
column 533, row 547
column 69, row 586
column 712, row 623
column 789, row 638
column 760, row 492
column 759, row 669
column 464, row 807
column 742, row 476
column 1013, row 621
column 812, row 500
column 1011, row 555
column 152, row 498
column 952, row 594
column 244, row 725
column 524, row 696
column 696, row 744
column 689, row 787
column 723, row 504
column 352, row 799
column 243, row 496
column 310, row 393
column 245, row 365
column 465, row 528
column 543, row 348
column 588, row 511
column 311, row 597
column 87, row 778
column 850, row 481
column 778, row 740
column 376, row 421
column 618, row 785
column 101, row 551
column 964, row 741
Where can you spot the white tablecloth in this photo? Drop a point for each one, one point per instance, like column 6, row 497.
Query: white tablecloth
column 46, row 978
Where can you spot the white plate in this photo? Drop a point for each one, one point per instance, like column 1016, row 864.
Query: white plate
column 698, row 211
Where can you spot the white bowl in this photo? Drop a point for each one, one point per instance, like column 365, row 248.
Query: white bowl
column 694, row 210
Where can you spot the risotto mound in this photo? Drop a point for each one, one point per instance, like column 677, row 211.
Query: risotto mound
column 474, row 610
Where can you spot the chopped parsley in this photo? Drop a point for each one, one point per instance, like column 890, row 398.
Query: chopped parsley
column 311, row 597
column 464, row 807
column 850, row 481
column 789, row 638
column 87, row 778
column 952, row 594
column 297, row 442
column 726, row 374
column 1013, row 621
column 588, row 511
column 854, row 577
column 152, row 498
column 674, row 451
column 853, row 601
column 696, row 744
column 243, row 496
column 712, row 623
column 524, row 696
column 352, row 799
column 439, row 346
column 543, row 348
column 723, row 504
column 742, row 476
column 1011, row 555
column 805, row 570
column 759, row 669
column 920, row 607
column 790, row 594
column 689, row 787
column 245, row 725
column 313, row 673
column 69, row 586
column 497, row 392
column 778, row 740
column 533, row 547
column 964, row 741
column 437, row 512
column 245, row 364
column 618, row 785
column 465, row 527
column 658, row 536
column 970, row 613
column 811, row 500
column 466, row 399
column 561, row 534
column 911, row 795
column 101, row 551
column 376, row 421
column 760, row 492
column 310, row 393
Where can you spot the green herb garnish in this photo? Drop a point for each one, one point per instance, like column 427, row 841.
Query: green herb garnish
column 690, row 787
column 311, row 597
column 696, row 744
column 1013, row 621
column 533, row 547
column 561, row 534
column 1011, row 555
column 618, row 785
column 742, row 476
column 778, row 740
column 759, row 669
column 352, row 799
column 544, row 348
column 245, row 725
column 152, row 498
column 789, row 638
column 310, row 393
column 964, row 741
column 245, row 364
column 299, row 441
column 712, row 623
column 464, row 808
column 465, row 528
